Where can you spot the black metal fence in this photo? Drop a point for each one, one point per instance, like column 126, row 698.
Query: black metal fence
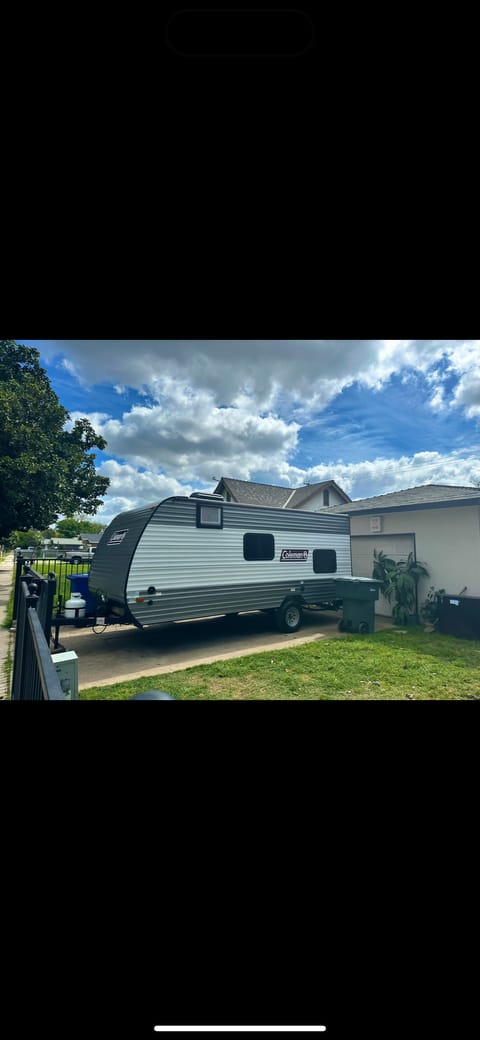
column 34, row 674
column 61, row 570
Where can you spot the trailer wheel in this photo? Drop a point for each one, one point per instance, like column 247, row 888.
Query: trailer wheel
column 342, row 625
column 288, row 617
column 364, row 626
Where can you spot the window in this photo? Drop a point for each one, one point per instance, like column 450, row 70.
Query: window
column 258, row 546
column 209, row 516
column 324, row 561
column 326, row 498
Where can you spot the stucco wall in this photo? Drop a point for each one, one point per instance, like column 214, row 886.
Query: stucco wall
column 447, row 542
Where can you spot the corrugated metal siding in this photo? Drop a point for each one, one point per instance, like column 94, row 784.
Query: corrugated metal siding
column 252, row 518
column 202, row 601
column 179, row 557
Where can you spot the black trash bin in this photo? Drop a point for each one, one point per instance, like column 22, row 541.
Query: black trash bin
column 358, row 596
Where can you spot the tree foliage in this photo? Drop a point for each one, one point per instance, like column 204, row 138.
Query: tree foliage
column 67, row 528
column 45, row 469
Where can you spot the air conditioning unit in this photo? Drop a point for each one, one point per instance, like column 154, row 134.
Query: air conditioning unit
column 66, row 665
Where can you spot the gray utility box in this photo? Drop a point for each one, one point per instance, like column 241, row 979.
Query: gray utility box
column 358, row 596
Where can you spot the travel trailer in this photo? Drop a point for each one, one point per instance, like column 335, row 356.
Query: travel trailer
column 199, row 556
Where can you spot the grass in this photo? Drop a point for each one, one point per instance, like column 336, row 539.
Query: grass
column 7, row 621
column 8, row 668
column 394, row 664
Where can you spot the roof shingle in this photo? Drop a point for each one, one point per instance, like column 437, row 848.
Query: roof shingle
column 425, row 495
column 250, row 493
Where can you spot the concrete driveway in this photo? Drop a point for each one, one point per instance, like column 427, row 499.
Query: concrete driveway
column 124, row 652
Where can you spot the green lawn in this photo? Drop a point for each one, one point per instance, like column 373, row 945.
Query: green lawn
column 395, row 664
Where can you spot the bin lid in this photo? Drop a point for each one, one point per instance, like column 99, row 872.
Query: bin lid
column 371, row 583
column 353, row 577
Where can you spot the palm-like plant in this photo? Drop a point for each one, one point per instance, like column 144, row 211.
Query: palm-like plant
column 384, row 569
column 399, row 579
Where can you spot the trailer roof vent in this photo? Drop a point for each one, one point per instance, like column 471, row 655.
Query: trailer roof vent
column 206, row 494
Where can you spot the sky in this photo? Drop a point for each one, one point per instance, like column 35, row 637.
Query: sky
column 373, row 415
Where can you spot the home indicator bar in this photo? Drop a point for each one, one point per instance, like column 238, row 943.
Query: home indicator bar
column 240, row 1029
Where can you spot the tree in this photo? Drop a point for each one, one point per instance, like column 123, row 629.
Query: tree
column 90, row 526
column 68, row 528
column 45, row 470
column 23, row 539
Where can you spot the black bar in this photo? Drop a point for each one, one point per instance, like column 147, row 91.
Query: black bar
column 239, row 33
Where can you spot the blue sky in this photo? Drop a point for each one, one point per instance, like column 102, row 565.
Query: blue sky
column 374, row 415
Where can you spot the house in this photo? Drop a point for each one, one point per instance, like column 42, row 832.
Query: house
column 311, row 497
column 61, row 543
column 89, row 540
column 438, row 523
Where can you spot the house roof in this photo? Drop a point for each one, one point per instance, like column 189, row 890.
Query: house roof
column 427, row 496
column 93, row 538
column 251, row 493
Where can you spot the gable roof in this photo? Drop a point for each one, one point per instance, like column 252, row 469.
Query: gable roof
column 251, row 493
column 304, row 493
column 427, row 496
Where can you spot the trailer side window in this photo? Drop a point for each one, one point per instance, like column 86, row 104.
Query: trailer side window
column 209, row 516
column 324, row 561
column 258, row 546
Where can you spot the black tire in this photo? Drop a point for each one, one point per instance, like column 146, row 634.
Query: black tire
column 364, row 626
column 342, row 625
column 289, row 617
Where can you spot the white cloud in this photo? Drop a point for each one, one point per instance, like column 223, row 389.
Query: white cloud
column 467, row 393
column 188, row 436
column 306, row 373
column 381, row 475
column 130, row 489
column 236, row 408
column 309, row 370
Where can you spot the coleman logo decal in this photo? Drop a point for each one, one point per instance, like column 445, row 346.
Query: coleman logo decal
column 293, row 555
column 117, row 537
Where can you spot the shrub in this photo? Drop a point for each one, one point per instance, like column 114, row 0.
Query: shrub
column 429, row 609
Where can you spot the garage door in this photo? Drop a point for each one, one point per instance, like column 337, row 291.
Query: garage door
column 397, row 546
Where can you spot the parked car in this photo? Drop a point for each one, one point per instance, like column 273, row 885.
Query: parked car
column 78, row 555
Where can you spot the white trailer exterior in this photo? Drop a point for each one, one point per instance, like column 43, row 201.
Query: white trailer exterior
column 200, row 556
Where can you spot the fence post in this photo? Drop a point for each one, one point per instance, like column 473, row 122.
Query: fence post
column 18, row 574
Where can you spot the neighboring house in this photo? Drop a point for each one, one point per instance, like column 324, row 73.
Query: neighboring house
column 438, row 523
column 89, row 540
column 311, row 497
column 61, row 543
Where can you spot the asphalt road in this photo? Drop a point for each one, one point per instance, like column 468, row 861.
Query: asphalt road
column 125, row 652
